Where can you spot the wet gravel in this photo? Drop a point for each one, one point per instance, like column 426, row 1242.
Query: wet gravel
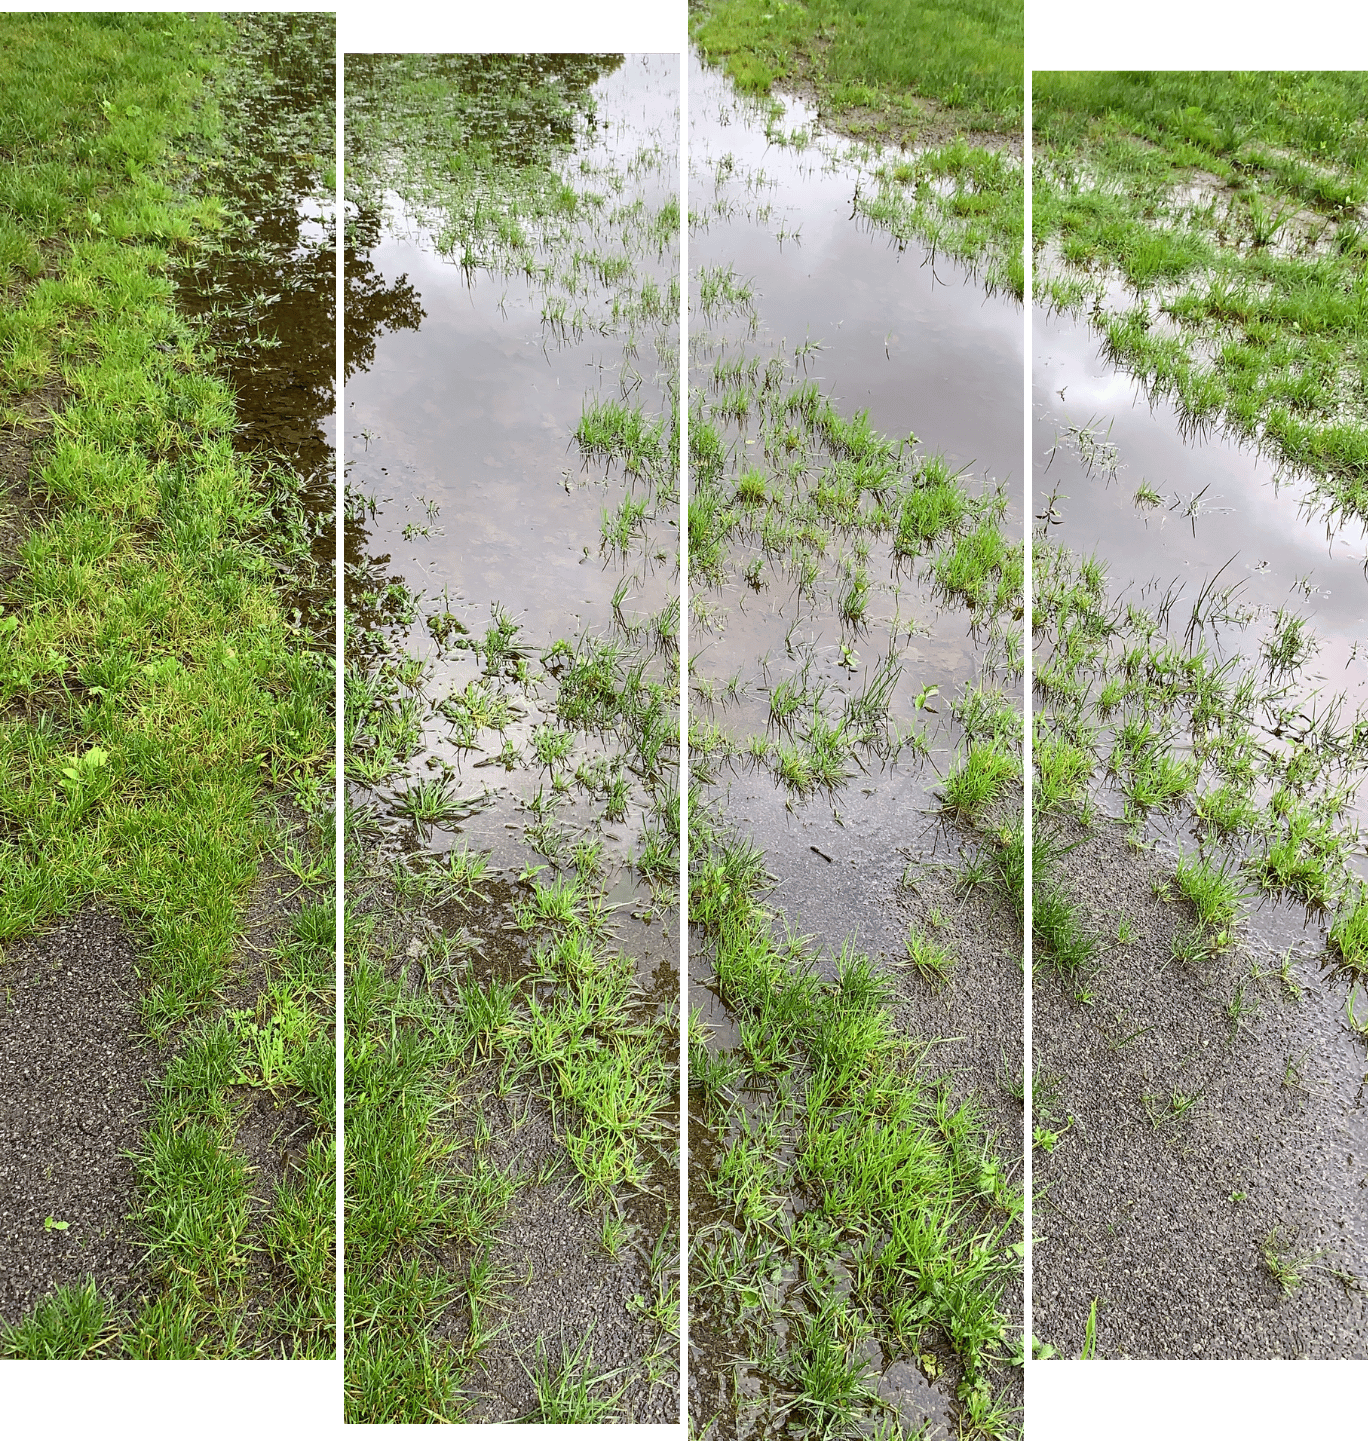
column 74, row 1072
column 1164, row 1217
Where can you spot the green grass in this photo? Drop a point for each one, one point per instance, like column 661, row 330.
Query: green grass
column 1214, row 891
column 1285, row 1265
column 480, row 139
column 837, row 1105
column 932, row 961
column 74, row 1324
column 565, row 1394
column 151, row 689
column 1256, row 274
column 923, row 82
column 980, row 779
column 967, row 58
column 1349, row 935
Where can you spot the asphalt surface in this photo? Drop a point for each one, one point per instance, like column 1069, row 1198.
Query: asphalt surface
column 1162, row 1216
column 74, row 1071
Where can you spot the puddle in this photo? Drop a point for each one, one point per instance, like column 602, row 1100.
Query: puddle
column 1263, row 527
column 1258, row 1033
column 919, row 345
column 512, row 590
column 790, row 287
column 268, row 300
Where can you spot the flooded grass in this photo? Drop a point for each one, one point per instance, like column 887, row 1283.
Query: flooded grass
column 823, row 555
column 512, row 765
column 1209, row 222
column 165, row 727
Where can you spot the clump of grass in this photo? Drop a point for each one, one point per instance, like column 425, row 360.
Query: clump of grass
column 935, row 506
column 980, row 779
column 751, row 487
column 1304, row 856
column 1214, row 891
column 933, row 962
column 1290, row 645
column 565, row 1393
column 76, row 1323
column 428, row 800
column 1064, row 770
column 1190, row 946
column 1059, row 929
column 1228, row 809
column 1285, row 1266
column 1349, row 935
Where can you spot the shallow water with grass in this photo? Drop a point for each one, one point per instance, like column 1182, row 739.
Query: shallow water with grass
column 854, row 755
column 1220, row 711
column 512, row 734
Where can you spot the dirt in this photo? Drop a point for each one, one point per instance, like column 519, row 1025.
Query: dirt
column 74, row 1075
column 1164, row 1218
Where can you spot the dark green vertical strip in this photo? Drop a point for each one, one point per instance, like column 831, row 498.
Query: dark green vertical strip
column 339, row 630
column 1028, row 719
column 684, row 735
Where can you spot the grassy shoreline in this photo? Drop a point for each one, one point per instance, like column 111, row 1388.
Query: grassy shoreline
column 1210, row 224
column 152, row 696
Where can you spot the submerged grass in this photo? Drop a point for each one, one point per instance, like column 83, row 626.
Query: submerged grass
column 504, row 972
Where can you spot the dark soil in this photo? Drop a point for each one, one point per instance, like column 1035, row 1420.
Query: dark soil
column 74, row 1072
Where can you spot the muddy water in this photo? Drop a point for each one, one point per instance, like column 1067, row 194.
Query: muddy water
column 268, row 300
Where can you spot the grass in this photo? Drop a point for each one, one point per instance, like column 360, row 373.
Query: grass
column 565, row 1394
column 831, row 1084
column 1349, row 935
column 504, row 972
column 1214, row 891
column 932, row 961
column 1285, row 1266
column 822, row 1095
column 1251, row 277
column 932, row 88
column 153, row 692
column 965, row 58
column 980, row 779
column 1227, row 202
column 481, row 140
